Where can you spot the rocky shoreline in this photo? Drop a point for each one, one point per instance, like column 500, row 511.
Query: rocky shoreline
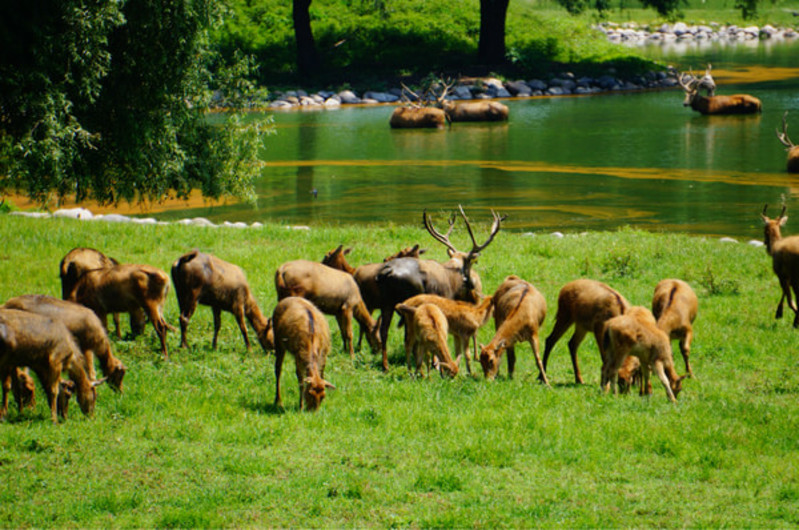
column 563, row 84
column 680, row 32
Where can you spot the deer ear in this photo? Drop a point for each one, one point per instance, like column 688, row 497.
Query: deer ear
column 330, row 385
column 501, row 343
column 458, row 360
column 99, row 382
column 783, row 220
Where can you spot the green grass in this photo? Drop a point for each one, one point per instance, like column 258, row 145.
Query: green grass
column 195, row 441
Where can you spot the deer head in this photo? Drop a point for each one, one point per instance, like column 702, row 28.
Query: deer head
column 688, row 82
column 771, row 227
column 466, row 259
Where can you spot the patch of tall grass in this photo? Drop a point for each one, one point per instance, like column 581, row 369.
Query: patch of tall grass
column 194, row 441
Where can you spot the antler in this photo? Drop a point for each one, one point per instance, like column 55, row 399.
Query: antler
column 407, row 100
column 691, row 80
column 449, row 83
column 443, row 239
column 783, row 136
column 782, row 213
column 495, row 227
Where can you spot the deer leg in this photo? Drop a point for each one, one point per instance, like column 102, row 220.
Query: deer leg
column 574, row 343
column 188, row 305
column 279, row 354
column 792, row 303
column 217, row 324
column 386, row 314
column 243, row 326
column 511, row 361
column 344, row 319
column 117, row 325
column 785, row 291
column 561, row 326
column 159, row 325
column 534, row 344
column 137, row 320
column 300, row 384
column 661, row 373
column 6, row 381
column 685, row 350
column 461, row 348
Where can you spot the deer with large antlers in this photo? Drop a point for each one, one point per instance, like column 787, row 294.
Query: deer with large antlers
column 418, row 113
column 734, row 104
column 402, row 278
column 793, row 149
column 784, row 254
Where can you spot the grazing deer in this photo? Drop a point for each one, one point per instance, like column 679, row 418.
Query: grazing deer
column 334, row 292
column 208, row 280
column 124, row 288
column 426, row 338
column 587, row 304
column 366, row 275
column 301, row 329
column 784, row 254
column 674, row 306
column 793, row 150
column 636, row 333
column 463, row 319
column 80, row 260
column 735, row 104
column 519, row 312
column 402, row 278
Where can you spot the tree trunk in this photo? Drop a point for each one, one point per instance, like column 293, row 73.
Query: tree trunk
column 491, row 49
column 307, row 57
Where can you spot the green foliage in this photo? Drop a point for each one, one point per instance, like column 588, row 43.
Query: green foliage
column 748, row 8
column 195, row 441
column 108, row 101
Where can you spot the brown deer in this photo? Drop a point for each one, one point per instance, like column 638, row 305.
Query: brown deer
column 301, row 329
column 463, row 319
column 366, row 275
column 417, row 114
column 124, row 288
column 23, row 388
column 334, row 292
column 784, row 254
column 85, row 327
column 80, row 260
column 402, row 278
column 205, row 279
column 674, row 306
column 46, row 347
column 587, row 304
column 735, row 104
column 793, row 150
column 519, row 312
column 426, row 338
column 475, row 111
column 636, row 333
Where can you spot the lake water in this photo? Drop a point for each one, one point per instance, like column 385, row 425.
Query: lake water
column 567, row 163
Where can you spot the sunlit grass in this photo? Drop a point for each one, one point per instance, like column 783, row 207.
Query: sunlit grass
column 195, row 441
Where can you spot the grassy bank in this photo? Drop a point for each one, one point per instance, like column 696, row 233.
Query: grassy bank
column 195, row 441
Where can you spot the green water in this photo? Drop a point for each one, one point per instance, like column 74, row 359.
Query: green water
column 567, row 164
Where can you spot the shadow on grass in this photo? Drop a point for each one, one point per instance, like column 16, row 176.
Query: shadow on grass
column 260, row 406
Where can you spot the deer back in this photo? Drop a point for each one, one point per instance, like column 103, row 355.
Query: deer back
column 329, row 289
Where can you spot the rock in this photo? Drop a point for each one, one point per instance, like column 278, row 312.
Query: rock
column 537, row 84
column 518, row 88
column 73, row 213
column 113, row 218
column 348, row 97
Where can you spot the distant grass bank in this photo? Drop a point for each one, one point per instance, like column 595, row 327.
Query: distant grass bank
column 195, row 441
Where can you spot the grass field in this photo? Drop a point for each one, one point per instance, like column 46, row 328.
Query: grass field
column 195, row 441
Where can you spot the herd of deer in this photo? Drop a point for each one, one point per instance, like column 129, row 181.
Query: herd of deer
column 434, row 110
column 50, row 336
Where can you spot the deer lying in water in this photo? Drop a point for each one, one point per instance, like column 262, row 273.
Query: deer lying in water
column 784, row 254
column 793, row 150
column 734, row 104
column 205, row 279
column 124, row 288
column 81, row 260
column 334, row 292
column 46, row 347
column 463, row 319
column 674, row 306
column 519, row 312
column 301, row 329
column 402, row 278
column 475, row 111
column 426, row 338
column 86, row 329
column 417, row 114
column 636, row 333
column 588, row 304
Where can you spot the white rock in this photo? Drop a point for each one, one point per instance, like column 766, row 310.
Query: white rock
column 73, row 213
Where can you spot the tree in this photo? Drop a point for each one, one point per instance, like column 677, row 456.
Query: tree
column 107, row 100
column 491, row 47
column 307, row 56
